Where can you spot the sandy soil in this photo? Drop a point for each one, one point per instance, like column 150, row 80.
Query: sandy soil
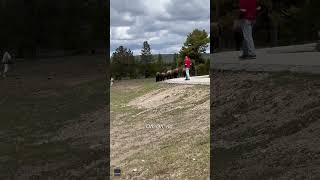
column 265, row 126
column 159, row 97
column 169, row 106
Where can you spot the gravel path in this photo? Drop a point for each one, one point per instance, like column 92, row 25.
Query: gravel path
column 202, row 80
column 297, row 58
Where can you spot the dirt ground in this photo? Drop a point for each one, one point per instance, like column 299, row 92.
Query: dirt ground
column 53, row 119
column 159, row 130
column 265, row 126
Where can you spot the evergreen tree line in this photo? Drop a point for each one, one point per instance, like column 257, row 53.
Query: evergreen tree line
column 125, row 65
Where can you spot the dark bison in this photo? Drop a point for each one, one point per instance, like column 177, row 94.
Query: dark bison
column 163, row 76
column 158, row 78
column 169, row 74
column 175, row 73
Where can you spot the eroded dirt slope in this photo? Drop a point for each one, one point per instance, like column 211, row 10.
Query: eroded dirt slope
column 178, row 149
column 265, row 126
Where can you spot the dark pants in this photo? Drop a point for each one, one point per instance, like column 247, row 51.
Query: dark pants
column 248, row 47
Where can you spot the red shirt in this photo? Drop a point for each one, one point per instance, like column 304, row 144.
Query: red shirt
column 187, row 62
column 251, row 8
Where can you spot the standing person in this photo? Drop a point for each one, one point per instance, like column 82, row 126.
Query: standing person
column 187, row 65
column 248, row 14
column 6, row 60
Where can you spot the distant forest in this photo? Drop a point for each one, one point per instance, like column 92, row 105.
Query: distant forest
column 31, row 25
column 280, row 22
column 168, row 58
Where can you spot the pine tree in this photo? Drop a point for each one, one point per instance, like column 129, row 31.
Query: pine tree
column 122, row 64
column 146, row 59
column 195, row 44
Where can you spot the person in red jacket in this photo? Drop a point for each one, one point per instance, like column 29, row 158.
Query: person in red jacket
column 248, row 14
column 187, row 65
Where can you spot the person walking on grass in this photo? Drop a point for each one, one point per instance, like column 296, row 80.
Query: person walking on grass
column 248, row 14
column 6, row 60
column 187, row 65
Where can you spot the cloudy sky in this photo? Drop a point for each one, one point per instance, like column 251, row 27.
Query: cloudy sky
column 163, row 23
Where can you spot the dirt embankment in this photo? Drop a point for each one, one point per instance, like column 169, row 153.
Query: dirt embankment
column 265, row 126
column 175, row 150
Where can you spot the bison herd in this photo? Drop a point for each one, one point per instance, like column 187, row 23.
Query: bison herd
column 170, row 74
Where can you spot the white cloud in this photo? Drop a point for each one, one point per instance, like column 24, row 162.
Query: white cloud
column 163, row 23
column 120, row 33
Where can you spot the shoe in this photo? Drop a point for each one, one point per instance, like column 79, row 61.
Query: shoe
column 246, row 57
column 252, row 57
column 243, row 56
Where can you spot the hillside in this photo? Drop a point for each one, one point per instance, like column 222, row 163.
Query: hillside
column 155, row 133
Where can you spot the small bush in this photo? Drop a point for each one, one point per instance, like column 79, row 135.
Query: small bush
column 202, row 69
